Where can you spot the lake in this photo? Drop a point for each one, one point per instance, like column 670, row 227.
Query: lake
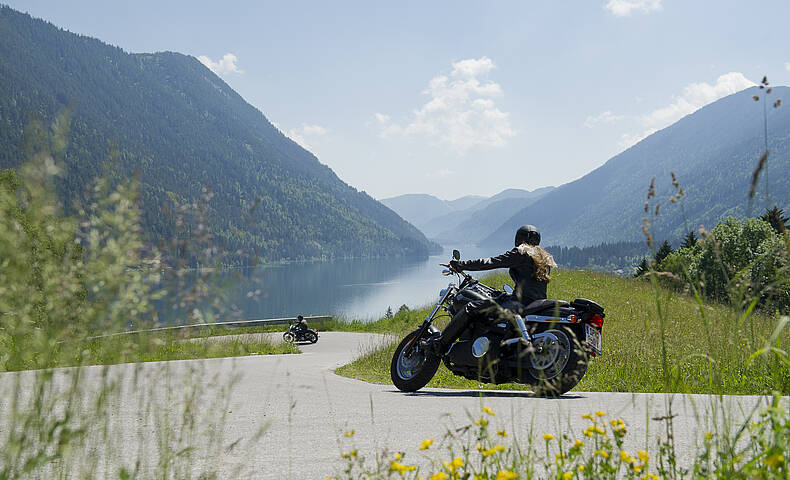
column 360, row 289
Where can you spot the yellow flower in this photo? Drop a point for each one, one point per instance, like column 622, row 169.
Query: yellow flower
column 501, row 433
column 600, row 413
column 488, row 453
column 588, row 431
column 400, row 468
column 580, row 468
column 637, row 468
column 351, row 454
column 578, row 444
column 602, row 453
column 457, row 463
column 708, row 435
column 560, row 455
column 598, row 430
column 350, row 433
column 548, row 437
column 439, row 476
column 499, row 448
column 567, row 476
column 505, row 475
column 488, row 411
column 775, row 460
column 624, row 457
column 398, row 456
column 643, row 456
column 479, row 448
column 588, row 416
column 482, row 422
column 426, row 444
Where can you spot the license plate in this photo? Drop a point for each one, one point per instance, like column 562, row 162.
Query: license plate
column 593, row 339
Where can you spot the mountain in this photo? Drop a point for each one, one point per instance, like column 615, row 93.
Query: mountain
column 713, row 153
column 169, row 120
column 466, row 219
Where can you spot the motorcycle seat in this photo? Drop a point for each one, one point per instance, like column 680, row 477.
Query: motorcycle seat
column 544, row 304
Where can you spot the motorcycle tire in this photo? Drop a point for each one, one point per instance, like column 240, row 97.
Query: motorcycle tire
column 412, row 371
column 311, row 337
column 289, row 337
column 553, row 376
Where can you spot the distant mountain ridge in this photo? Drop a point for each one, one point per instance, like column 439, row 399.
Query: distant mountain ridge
column 467, row 219
column 713, row 153
column 181, row 128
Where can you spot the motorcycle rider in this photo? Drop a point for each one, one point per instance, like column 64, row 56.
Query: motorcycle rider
column 530, row 266
column 301, row 324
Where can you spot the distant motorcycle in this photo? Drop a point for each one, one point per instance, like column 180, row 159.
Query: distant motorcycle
column 546, row 344
column 297, row 333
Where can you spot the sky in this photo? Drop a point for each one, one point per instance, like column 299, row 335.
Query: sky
column 456, row 98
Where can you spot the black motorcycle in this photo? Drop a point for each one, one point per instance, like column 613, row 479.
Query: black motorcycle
column 297, row 333
column 546, row 344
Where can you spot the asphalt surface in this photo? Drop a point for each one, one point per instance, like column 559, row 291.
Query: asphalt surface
column 302, row 410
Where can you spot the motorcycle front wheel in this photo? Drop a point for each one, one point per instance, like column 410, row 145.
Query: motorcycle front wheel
column 289, row 337
column 311, row 337
column 412, row 368
column 560, row 362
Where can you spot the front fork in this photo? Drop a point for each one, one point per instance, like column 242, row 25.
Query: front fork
column 427, row 324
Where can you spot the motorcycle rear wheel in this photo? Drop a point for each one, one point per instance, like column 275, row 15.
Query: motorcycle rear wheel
column 562, row 367
column 412, row 368
column 289, row 337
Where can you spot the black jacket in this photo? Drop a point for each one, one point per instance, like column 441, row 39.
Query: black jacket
column 522, row 271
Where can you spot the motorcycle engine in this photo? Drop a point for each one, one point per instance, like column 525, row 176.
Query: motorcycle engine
column 475, row 357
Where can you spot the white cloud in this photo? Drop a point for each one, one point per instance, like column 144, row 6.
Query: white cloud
column 624, row 8
column 605, row 117
column 302, row 134
column 227, row 64
column 694, row 97
column 460, row 113
column 442, row 173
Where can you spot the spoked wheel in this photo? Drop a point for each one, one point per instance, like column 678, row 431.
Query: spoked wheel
column 559, row 361
column 413, row 366
column 289, row 337
column 311, row 337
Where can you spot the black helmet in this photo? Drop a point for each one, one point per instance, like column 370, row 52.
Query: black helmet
column 529, row 234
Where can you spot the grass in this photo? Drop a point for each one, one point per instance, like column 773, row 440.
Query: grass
column 632, row 359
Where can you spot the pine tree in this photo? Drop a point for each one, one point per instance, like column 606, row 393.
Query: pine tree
column 689, row 240
column 642, row 268
column 663, row 252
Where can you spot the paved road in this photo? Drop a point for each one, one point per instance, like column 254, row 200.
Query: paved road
column 305, row 409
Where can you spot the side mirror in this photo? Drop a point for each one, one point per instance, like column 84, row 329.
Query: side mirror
column 456, row 255
column 508, row 289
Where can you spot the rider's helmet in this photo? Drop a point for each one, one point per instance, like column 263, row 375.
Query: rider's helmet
column 529, row 234
column 299, row 318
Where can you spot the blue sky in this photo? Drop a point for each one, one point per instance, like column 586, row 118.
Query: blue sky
column 457, row 97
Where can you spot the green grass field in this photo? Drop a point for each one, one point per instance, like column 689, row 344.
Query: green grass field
column 707, row 346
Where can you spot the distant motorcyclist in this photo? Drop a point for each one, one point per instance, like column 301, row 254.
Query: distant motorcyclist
column 301, row 324
column 529, row 267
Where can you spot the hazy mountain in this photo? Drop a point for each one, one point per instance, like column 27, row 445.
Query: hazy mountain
column 713, row 153
column 467, row 219
column 177, row 125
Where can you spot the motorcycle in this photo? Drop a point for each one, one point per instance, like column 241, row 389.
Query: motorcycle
column 546, row 344
column 297, row 334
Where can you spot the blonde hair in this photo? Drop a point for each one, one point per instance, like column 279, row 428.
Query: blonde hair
column 544, row 262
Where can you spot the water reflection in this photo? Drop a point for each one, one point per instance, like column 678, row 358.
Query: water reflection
column 355, row 289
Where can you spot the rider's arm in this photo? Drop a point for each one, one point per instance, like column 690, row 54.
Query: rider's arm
column 511, row 258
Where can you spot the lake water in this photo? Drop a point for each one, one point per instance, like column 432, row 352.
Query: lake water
column 354, row 289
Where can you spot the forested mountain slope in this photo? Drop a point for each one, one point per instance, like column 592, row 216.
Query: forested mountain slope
column 713, row 153
column 181, row 129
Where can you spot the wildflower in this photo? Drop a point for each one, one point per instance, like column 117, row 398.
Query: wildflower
column 578, row 444
column 505, row 475
column 398, row 456
column 775, row 460
column 598, row 430
column 643, row 456
column 501, row 433
column 626, row 458
column 351, row 454
column 548, row 437
column 488, row 411
column 479, row 448
column 482, row 422
column 650, row 476
column 499, row 448
column 602, row 453
column 588, row 416
column 567, row 476
column 588, row 431
column 560, row 455
column 637, row 468
column 350, row 433
column 400, row 468
column 708, row 435
column 600, row 413
column 457, row 463
column 426, row 444
column 580, row 468
column 488, row 453
column 439, row 476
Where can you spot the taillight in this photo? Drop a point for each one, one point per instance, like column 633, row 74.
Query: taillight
column 596, row 320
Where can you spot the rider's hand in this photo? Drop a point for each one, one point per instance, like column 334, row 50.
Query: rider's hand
column 455, row 265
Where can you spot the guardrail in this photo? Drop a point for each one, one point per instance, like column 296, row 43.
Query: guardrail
column 312, row 321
